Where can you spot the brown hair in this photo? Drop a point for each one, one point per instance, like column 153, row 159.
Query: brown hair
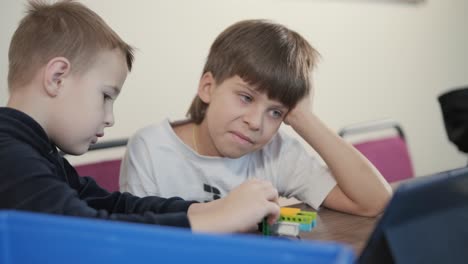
column 63, row 29
column 264, row 54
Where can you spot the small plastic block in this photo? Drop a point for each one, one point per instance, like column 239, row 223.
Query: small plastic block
column 305, row 227
column 303, row 217
column 314, row 223
column 288, row 211
column 285, row 229
column 265, row 228
column 305, row 221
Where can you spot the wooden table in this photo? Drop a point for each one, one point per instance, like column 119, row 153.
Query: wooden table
column 340, row 227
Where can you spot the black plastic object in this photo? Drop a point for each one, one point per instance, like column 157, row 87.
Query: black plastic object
column 425, row 222
column 454, row 106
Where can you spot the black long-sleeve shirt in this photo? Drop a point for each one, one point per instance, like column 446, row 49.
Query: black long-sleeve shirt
column 34, row 177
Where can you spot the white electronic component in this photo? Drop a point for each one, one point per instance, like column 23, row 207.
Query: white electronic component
column 285, row 229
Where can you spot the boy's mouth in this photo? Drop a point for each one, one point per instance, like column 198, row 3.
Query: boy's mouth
column 243, row 137
column 96, row 137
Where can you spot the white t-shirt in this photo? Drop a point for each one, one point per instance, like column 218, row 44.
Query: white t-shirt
column 157, row 162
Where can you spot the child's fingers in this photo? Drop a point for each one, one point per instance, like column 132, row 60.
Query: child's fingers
column 273, row 213
column 271, row 193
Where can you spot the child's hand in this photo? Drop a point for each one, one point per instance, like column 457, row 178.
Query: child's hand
column 252, row 201
column 240, row 211
column 303, row 107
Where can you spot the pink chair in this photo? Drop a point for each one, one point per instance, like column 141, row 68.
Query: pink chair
column 105, row 173
column 389, row 154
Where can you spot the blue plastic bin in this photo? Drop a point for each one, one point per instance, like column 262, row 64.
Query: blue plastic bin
column 42, row 238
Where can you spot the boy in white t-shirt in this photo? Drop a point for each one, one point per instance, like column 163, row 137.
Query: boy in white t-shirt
column 257, row 76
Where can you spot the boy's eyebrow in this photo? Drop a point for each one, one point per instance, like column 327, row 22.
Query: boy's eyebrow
column 246, row 86
column 281, row 107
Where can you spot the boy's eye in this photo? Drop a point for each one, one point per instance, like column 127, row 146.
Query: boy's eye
column 276, row 114
column 107, row 97
column 246, row 98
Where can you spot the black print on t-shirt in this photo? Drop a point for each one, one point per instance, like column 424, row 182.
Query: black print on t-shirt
column 210, row 189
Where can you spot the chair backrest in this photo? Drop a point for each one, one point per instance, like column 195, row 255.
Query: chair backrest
column 105, row 173
column 389, row 154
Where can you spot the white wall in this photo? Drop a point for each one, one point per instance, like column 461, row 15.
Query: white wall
column 379, row 59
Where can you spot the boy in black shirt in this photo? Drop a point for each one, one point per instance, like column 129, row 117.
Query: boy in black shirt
column 66, row 69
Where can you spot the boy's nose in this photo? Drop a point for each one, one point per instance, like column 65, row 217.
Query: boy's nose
column 109, row 120
column 254, row 119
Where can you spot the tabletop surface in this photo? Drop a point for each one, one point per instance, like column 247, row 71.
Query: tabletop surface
column 341, row 227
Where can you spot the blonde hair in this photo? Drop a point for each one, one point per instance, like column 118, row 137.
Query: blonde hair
column 264, row 54
column 63, row 29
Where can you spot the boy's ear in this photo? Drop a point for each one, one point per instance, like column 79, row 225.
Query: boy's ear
column 206, row 87
column 54, row 75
